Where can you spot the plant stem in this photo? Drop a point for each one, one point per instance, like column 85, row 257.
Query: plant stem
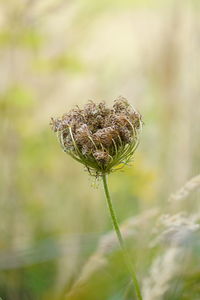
column 121, row 241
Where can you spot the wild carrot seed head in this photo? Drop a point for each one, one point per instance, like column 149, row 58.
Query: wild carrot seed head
column 99, row 137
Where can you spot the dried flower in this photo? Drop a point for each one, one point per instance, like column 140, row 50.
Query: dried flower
column 99, row 137
column 102, row 138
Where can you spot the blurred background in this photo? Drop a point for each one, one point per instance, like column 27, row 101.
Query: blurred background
column 53, row 217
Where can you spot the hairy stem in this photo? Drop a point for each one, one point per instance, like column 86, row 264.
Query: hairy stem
column 121, row 241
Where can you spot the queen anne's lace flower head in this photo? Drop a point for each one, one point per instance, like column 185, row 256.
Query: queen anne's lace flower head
column 99, row 137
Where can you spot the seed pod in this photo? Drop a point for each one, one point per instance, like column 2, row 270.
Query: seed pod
column 99, row 137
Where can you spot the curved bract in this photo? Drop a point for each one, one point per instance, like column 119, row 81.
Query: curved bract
column 99, row 137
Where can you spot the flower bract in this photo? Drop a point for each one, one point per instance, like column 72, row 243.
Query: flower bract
column 99, row 137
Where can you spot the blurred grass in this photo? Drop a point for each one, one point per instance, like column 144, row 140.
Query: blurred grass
column 57, row 54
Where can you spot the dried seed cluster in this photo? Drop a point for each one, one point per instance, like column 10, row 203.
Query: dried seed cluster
column 99, row 137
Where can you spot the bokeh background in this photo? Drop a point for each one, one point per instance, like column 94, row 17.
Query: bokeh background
column 55, row 54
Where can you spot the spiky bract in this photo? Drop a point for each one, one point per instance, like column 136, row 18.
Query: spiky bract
column 99, row 137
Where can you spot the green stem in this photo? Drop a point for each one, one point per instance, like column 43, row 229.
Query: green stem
column 121, row 241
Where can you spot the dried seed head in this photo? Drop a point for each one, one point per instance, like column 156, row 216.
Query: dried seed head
column 102, row 156
column 99, row 137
